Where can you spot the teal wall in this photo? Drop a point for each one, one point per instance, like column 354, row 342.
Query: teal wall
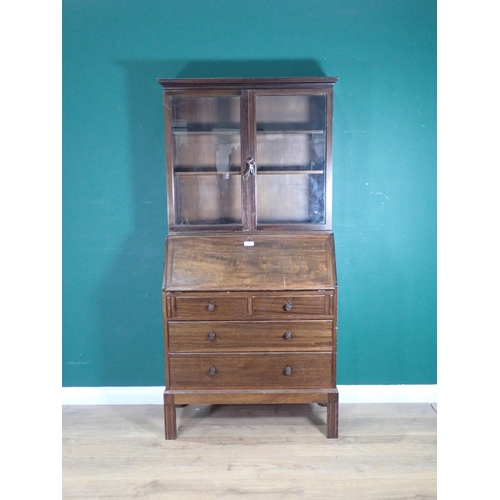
column 114, row 201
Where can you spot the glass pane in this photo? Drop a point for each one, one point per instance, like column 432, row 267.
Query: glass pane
column 207, row 159
column 290, row 157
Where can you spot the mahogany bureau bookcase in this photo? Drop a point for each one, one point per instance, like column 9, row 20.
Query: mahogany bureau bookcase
column 249, row 284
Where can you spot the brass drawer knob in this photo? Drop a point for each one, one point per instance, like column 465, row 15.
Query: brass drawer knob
column 288, row 370
column 211, row 336
column 211, row 307
column 288, row 305
column 288, row 335
column 212, row 371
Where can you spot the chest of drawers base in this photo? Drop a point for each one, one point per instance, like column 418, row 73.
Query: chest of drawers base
column 251, row 348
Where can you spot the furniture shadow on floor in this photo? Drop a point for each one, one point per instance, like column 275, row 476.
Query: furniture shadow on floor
column 250, row 417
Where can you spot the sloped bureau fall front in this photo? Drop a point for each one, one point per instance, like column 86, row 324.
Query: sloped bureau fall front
column 249, row 285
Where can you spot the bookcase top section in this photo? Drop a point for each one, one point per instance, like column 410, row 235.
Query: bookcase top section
column 250, row 262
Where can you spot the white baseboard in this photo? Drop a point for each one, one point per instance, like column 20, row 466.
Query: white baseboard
column 154, row 395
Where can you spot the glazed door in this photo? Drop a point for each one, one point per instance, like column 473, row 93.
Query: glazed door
column 292, row 150
column 249, row 159
column 204, row 164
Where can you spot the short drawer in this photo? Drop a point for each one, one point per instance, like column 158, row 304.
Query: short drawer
column 211, row 336
column 251, row 371
column 193, row 307
column 291, row 305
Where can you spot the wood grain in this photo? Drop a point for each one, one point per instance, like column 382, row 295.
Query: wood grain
column 194, row 336
column 250, row 371
column 303, row 304
column 222, row 262
column 118, row 452
column 209, row 307
column 255, row 396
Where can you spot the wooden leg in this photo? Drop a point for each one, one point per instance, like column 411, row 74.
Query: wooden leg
column 170, row 417
column 332, row 416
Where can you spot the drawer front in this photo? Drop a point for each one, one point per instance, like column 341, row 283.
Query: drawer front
column 291, row 305
column 251, row 371
column 212, row 336
column 191, row 307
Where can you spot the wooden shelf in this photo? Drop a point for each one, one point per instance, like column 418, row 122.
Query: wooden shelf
column 236, row 131
column 211, row 172
column 259, row 172
column 290, row 172
column 289, row 132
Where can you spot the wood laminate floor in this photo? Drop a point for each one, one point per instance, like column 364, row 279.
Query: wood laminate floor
column 385, row 451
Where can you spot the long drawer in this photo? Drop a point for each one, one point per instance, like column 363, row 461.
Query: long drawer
column 220, row 336
column 251, row 371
